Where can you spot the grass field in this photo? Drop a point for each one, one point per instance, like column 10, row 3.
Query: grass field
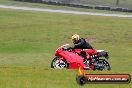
column 28, row 40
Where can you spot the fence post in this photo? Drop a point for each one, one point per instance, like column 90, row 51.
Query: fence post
column 117, row 2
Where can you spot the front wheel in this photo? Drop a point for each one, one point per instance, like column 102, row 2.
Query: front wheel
column 59, row 64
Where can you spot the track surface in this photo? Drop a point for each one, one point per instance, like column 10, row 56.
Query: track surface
column 64, row 11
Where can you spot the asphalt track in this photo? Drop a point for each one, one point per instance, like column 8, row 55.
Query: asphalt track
column 64, row 11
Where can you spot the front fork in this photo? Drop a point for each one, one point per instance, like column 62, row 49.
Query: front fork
column 60, row 58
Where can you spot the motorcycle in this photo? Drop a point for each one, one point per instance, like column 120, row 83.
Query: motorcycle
column 66, row 57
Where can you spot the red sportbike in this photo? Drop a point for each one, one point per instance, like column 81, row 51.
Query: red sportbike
column 66, row 57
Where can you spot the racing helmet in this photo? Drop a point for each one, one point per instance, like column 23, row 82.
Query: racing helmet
column 75, row 38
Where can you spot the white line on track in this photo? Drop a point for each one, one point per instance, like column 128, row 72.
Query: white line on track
column 64, row 11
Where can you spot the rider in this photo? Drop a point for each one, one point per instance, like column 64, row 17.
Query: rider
column 80, row 43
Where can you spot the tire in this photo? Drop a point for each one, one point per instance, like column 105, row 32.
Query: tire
column 107, row 65
column 81, row 80
column 55, row 63
column 104, row 65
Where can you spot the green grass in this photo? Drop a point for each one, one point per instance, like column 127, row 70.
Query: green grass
column 28, row 40
column 39, row 5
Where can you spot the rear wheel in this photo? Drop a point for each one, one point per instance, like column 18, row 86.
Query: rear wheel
column 58, row 64
column 106, row 65
column 102, row 65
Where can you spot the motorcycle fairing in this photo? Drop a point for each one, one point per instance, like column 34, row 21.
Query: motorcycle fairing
column 73, row 59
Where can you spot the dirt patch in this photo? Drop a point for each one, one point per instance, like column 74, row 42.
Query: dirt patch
column 94, row 39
